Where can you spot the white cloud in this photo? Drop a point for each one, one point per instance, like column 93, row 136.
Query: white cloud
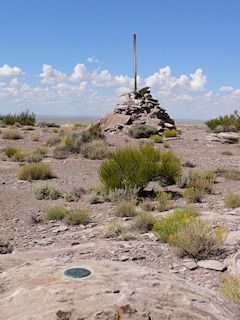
column 80, row 73
column 51, row 76
column 93, row 59
column 122, row 90
column 226, row 89
column 8, row 72
column 165, row 82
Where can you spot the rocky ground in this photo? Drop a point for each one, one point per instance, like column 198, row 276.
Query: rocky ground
column 141, row 278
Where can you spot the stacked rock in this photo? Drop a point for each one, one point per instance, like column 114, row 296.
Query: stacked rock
column 138, row 108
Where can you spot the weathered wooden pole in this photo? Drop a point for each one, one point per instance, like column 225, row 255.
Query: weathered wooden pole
column 135, row 64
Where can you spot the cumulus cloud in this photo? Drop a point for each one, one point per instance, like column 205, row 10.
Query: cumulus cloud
column 51, row 76
column 80, row 73
column 226, row 89
column 93, row 59
column 165, row 82
column 122, row 90
column 8, row 72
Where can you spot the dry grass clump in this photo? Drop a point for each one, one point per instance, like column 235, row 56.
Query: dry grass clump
column 114, row 229
column 74, row 195
column 35, row 171
column 96, row 149
column 142, row 131
column 192, row 195
column 45, row 190
column 144, row 221
column 232, row 200
column 196, row 173
column 232, row 174
column 54, row 140
column 202, row 184
column 148, row 205
column 231, row 288
column 156, row 138
column 42, row 150
column 166, row 145
column 11, row 134
column 59, row 152
column 35, row 137
column 189, row 211
column 163, row 201
column 125, row 208
column 71, row 216
column 56, row 213
column 226, row 153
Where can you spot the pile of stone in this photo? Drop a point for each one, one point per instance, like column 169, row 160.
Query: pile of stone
column 138, row 108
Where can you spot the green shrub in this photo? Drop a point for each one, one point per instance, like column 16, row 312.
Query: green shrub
column 5, row 247
column 170, row 133
column 19, row 155
column 35, row 171
column 78, row 216
column 231, row 288
column 232, row 119
column 144, row 221
column 126, row 193
column 189, row 211
column 54, row 130
column 232, row 200
column 28, row 128
column 198, row 239
column 232, row 174
column 94, row 199
column 12, row 127
column 33, row 156
column 170, row 168
column 74, row 195
column 35, row 137
column 182, row 180
column 42, row 150
column 202, row 184
column 164, row 201
column 24, row 118
column 96, row 131
column 193, row 194
column 45, row 190
column 69, row 143
column 125, row 208
column 166, row 145
column 142, row 131
column 11, row 134
column 59, row 152
column 96, row 149
column 156, row 138
column 218, row 129
column 130, row 167
column 231, row 128
column 2, row 124
column 172, row 224
column 197, row 173
column 53, row 141
column 10, row 152
column 56, row 213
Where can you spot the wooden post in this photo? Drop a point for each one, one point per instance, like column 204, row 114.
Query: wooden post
column 135, row 64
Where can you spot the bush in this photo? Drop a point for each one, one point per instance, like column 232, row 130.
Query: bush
column 19, row 155
column 24, row 118
column 198, row 239
column 78, row 216
column 35, row 137
column 164, row 201
column 148, row 205
column 42, row 150
column 55, row 130
column 231, row 288
column 5, row 247
column 170, row 133
column 33, row 156
column 35, row 171
column 96, row 149
column 166, row 145
column 59, row 152
column 182, row 180
column 232, row 200
column 197, row 173
column 130, row 167
column 173, row 223
column 12, row 127
column 56, row 213
column 126, row 193
column 10, row 152
column 53, row 141
column 142, row 131
column 94, row 199
column 11, row 134
column 96, row 131
column 189, row 211
column 202, row 184
column 114, row 229
column 218, row 129
column 144, row 221
column 170, row 168
column 48, row 124
column 125, row 208
column 156, row 138
column 226, row 153
column 232, row 174
column 193, row 194
column 28, row 128
column 232, row 119
column 45, row 190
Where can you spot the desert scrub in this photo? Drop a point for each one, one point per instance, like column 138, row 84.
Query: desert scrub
column 10, row 152
column 59, row 152
column 226, row 153
column 232, row 200
column 125, row 208
column 33, row 156
column 24, row 118
column 78, row 216
column 19, row 155
column 54, row 130
column 97, row 149
column 202, row 184
column 225, row 121
column 156, row 139
column 232, row 174
column 48, row 124
column 170, row 168
column 11, row 134
column 142, row 131
column 171, row 225
column 198, row 239
column 54, row 140
column 197, row 173
column 42, row 150
column 144, row 221
column 231, row 288
column 28, row 128
column 74, row 195
column 45, row 190
column 5, row 247
column 170, row 133
column 114, row 229
column 192, row 195
column 166, row 145
column 35, row 171
column 94, row 199
column 35, row 137
column 148, row 205
column 96, row 131
column 56, row 213
column 126, row 193
column 163, row 201
column 182, row 180
column 130, row 167
column 189, row 211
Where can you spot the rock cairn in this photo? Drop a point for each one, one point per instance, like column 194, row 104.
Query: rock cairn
column 138, row 108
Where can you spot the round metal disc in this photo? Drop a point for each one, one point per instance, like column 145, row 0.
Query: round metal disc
column 77, row 273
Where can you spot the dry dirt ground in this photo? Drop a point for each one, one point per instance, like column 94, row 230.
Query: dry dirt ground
column 29, row 275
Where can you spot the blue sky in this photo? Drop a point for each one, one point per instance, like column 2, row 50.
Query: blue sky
column 75, row 57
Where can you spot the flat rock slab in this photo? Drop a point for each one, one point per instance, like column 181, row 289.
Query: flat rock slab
column 212, row 264
column 38, row 290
